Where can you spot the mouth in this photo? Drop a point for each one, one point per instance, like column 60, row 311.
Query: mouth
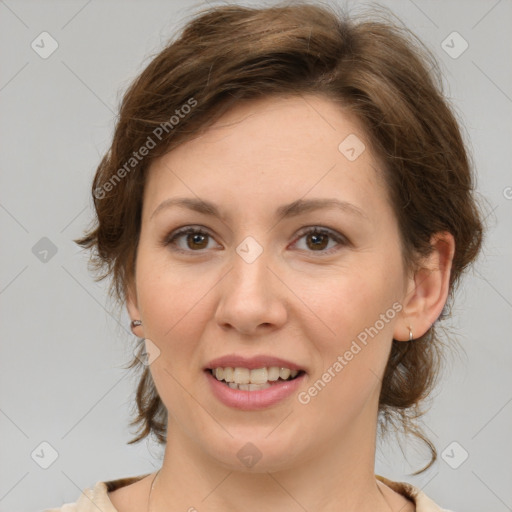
column 256, row 379
column 254, row 383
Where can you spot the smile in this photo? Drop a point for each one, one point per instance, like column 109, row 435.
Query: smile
column 245, row 394
column 257, row 379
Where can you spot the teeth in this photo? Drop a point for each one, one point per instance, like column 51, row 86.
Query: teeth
column 248, row 387
column 284, row 373
column 228, row 374
column 256, row 387
column 252, row 380
column 242, row 375
column 259, row 376
column 273, row 373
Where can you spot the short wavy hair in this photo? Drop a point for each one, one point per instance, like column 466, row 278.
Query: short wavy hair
column 376, row 69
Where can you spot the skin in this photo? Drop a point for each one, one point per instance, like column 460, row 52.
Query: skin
column 294, row 301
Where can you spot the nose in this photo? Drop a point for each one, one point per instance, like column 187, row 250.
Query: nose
column 252, row 297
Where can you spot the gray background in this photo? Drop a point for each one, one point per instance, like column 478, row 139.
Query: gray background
column 62, row 350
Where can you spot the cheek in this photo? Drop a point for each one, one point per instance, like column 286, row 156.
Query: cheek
column 351, row 364
column 359, row 308
column 171, row 301
column 357, row 299
column 173, row 308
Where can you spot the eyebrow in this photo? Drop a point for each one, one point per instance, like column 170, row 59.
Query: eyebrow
column 298, row 207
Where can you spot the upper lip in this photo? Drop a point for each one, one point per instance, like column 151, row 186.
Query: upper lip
column 259, row 361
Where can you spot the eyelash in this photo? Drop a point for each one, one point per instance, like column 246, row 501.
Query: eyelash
column 315, row 230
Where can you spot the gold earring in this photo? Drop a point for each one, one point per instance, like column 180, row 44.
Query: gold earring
column 410, row 334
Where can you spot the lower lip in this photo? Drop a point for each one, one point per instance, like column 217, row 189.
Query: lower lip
column 253, row 400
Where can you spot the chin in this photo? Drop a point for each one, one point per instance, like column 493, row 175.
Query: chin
column 256, row 453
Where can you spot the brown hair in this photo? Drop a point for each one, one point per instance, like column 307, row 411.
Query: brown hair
column 376, row 69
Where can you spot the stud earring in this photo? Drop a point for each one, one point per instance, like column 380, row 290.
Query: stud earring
column 135, row 323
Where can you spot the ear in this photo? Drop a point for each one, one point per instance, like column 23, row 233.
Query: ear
column 133, row 308
column 427, row 289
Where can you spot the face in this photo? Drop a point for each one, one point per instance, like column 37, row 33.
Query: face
column 317, row 289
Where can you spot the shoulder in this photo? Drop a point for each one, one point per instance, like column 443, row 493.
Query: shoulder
column 421, row 501
column 130, row 494
column 105, row 496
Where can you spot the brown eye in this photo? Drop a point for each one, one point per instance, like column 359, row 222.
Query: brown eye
column 192, row 240
column 196, row 240
column 317, row 240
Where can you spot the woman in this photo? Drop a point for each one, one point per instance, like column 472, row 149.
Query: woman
column 286, row 209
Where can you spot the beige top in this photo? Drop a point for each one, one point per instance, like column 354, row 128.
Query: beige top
column 96, row 498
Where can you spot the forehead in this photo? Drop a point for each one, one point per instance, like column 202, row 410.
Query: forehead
column 272, row 149
column 284, row 125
